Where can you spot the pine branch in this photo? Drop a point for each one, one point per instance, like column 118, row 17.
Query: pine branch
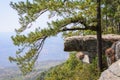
column 93, row 28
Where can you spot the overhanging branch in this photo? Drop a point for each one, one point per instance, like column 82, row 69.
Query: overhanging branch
column 93, row 28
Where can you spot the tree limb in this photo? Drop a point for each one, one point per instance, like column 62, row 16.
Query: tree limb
column 93, row 28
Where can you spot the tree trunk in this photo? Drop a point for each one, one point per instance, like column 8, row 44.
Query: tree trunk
column 99, row 38
column 119, row 28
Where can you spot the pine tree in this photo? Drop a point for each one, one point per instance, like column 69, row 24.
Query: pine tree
column 110, row 16
column 75, row 16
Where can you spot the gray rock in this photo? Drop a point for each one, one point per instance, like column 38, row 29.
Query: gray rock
column 84, row 56
column 86, row 59
column 115, row 68
column 112, row 73
column 88, row 42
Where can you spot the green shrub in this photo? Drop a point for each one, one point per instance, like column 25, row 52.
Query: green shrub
column 73, row 69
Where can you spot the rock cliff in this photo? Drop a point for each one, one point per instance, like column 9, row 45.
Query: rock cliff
column 89, row 43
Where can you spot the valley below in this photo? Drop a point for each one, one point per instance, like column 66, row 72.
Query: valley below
column 13, row 73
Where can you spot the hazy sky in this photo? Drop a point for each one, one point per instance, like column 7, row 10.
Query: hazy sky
column 53, row 48
column 9, row 18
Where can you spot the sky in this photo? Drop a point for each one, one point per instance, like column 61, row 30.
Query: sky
column 53, row 48
column 8, row 17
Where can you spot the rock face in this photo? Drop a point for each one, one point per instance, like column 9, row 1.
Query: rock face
column 89, row 43
column 84, row 56
column 112, row 73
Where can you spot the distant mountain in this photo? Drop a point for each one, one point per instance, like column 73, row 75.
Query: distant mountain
column 13, row 73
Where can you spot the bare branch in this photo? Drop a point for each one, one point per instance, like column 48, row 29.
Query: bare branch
column 40, row 46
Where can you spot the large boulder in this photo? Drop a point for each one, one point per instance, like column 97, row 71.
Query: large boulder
column 88, row 42
column 112, row 73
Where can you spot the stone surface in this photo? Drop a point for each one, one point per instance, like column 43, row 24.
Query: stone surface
column 112, row 73
column 89, row 42
column 115, row 68
column 84, row 56
column 86, row 59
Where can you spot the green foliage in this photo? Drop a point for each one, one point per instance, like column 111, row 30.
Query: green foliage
column 73, row 16
column 110, row 15
column 71, row 12
column 89, row 32
column 73, row 69
column 110, row 30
